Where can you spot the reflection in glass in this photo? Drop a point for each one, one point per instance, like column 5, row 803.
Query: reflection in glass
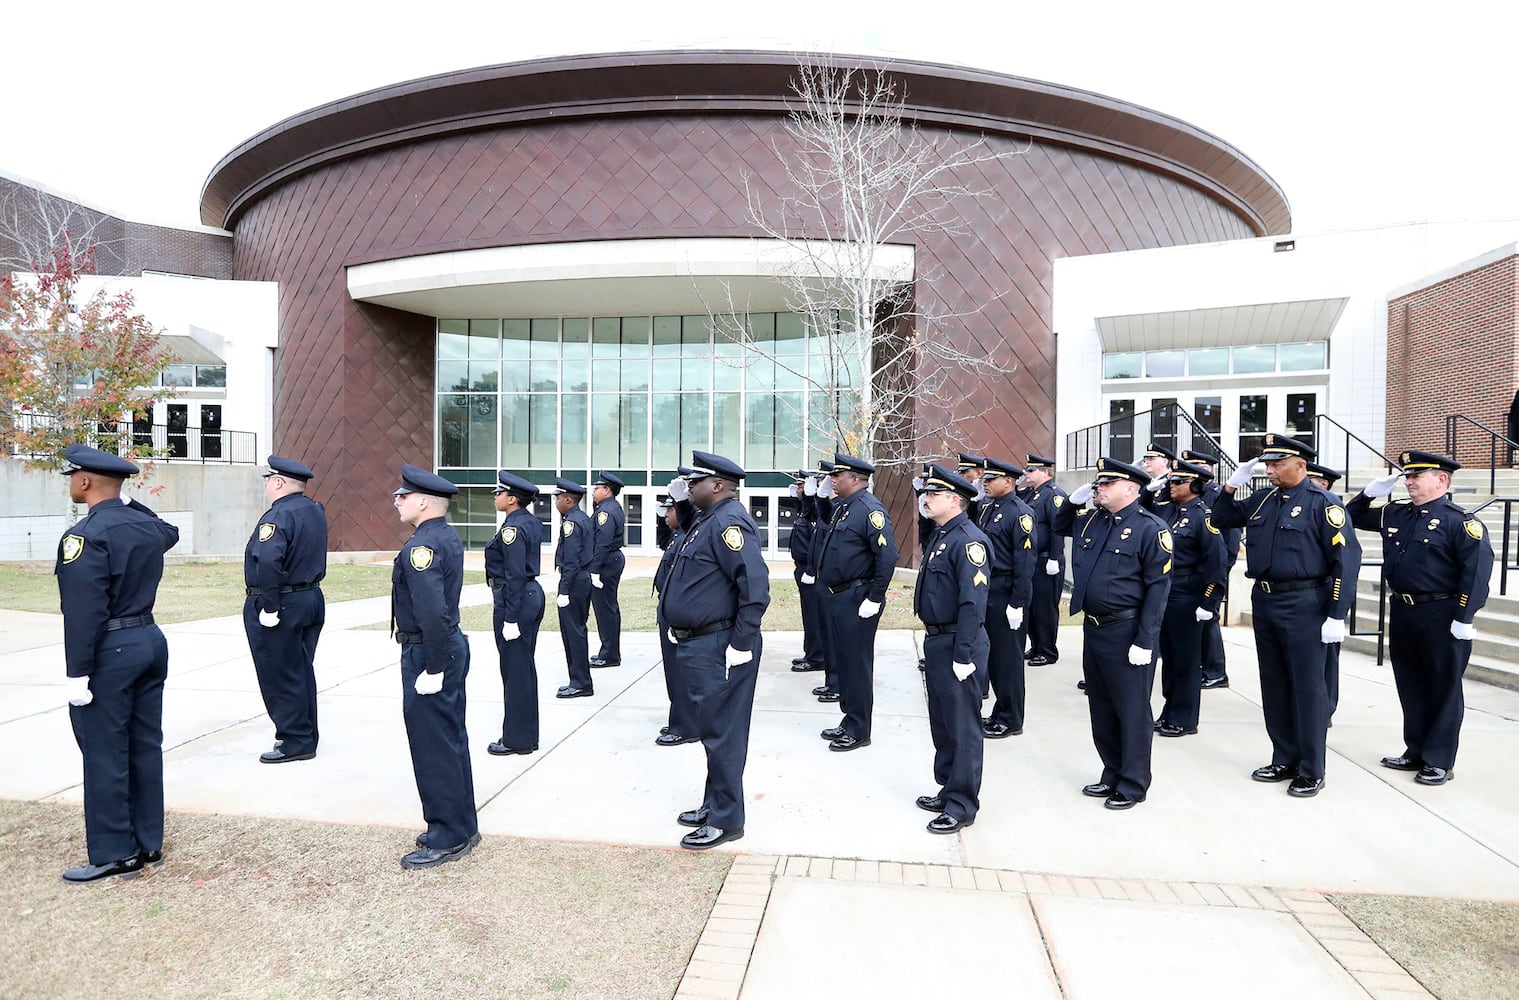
column 1122, row 365
column 544, row 417
column 516, row 432
column 1165, row 364
column 1259, row 358
column 1208, row 361
column 1303, row 357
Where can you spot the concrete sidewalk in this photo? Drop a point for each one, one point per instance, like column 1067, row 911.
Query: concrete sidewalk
column 1212, row 887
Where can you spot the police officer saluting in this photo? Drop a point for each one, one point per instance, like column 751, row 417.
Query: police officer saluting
column 1215, row 667
column 678, row 514
column 1009, row 526
column 1304, row 570
column 572, row 558
column 1046, row 499
column 1197, row 586
column 716, row 594
column 1437, row 563
column 109, row 566
column 283, row 614
column 606, row 567
column 803, row 528
column 425, row 584
column 1121, row 577
column 951, row 600
column 511, row 570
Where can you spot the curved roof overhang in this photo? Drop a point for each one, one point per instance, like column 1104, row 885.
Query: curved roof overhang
column 728, row 82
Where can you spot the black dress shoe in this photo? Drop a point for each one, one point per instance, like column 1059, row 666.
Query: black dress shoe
column 820, row 689
column 597, row 661
column 1403, row 763
column 798, row 661
column 126, row 868
column 279, row 756
column 828, row 696
column 574, row 692
column 931, row 803
column 1097, row 789
column 664, row 730
column 922, row 663
column 1081, row 685
column 432, row 857
column 998, row 730
column 154, row 858
column 708, row 836
column 832, row 732
column 1431, row 775
column 1305, row 787
column 847, row 742
column 1172, row 729
column 693, row 817
column 1274, row 772
column 502, row 750
column 948, row 824
column 1119, row 800
column 805, row 667
column 1040, row 660
column 1209, row 683
column 675, row 740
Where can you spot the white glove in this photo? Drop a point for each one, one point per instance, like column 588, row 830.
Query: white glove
column 1155, row 485
column 1081, row 494
column 825, row 487
column 980, row 491
column 678, row 489
column 1333, row 630
column 917, row 484
column 268, row 619
column 1204, row 615
column 1052, row 567
column 1382, row 487
column 596, row 581
column 810, row 486
column 562, row 601
column 429, row 683
column 1245, row 473
column 78, row 690
column 791, row 490
column 1014, row 617
column 670, row 634
column 869, row 609
column 923, row 504
column 963, row 670
column 1463, row 630
column 1138, row 657
column 809, row 579
column 510, row 631
column 738, row 657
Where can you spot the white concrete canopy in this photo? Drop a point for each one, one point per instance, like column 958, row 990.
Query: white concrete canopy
column 609, row 277
column 1302, row 321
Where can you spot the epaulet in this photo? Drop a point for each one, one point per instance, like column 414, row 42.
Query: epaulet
column 1462, row 511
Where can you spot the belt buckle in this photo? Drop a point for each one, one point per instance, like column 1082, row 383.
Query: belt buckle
column 1406, row 598
column 1265, row 586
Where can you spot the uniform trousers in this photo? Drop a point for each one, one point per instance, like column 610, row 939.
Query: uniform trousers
column 820, row 598
column 1428, row 664
column 1181, row 648
column 1332, row 674
column 812, row 639
column 1118, row 700
column 440, row 745
column 1043, row 624
column 1005, row 662
column 572, row 632
column 954, row 722
column 682, row 719
column 608, row 611
column 1213, row 665
column 852, row 655
column 723, row 699
column 284, row 659
column 1294, row 696
column 519, row 669
column 120, row 737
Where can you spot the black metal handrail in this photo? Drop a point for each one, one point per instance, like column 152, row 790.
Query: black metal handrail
column 1452, row 424
column 1350, row 435
column 1083, row 447
column 1355, row 598
column 167, row 442
column 1506, row 550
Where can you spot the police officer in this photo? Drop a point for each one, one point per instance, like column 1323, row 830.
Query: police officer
column 680, row 727
column 1215, row 667
column 1008, row 524
column 855, row 567
column 283, row 614
column 606, row 567
column 1121, row 578
column 951, row 600
column 425, row 583
column 1156, row 461
column 1046, row 499
column 109, row 566
column 718, row 590
column 572, row 558
column 1324, row 478
column 972, row 468
column 1437, row 560
column 803, row 527
column 1304, row 568
column 1197, row 586
column 823, row 499
column 511, row 571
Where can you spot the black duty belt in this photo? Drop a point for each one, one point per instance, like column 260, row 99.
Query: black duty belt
column 501, row 581
column 1419, row 598
column 940, row 629
column 415, row 638
column 291, row 589
column 1116, row 616
column 683, row 634
column 998, row 574
column 131, row 621
column 1283, row 586
column 839, row 588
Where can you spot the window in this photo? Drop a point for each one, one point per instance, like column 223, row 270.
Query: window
column 1165, row 364
column 1260, row 358
column 1303, row 357
column 1208, row 361
column 1121, row 365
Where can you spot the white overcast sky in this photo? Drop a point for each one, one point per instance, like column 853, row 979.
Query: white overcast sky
column 1366, row 113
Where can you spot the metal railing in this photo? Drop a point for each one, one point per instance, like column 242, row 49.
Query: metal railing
column 1125, row 438
column 168, row 443
column 1320, row 437
column 1453, row 423
column 1355, row 599
column 1506, row 553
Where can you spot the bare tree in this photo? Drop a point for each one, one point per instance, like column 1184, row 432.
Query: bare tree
column 862, row 186
column 34, row 224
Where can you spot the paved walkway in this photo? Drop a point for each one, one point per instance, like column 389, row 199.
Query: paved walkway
column 1213, row 887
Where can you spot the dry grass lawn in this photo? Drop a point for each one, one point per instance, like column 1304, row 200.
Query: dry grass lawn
column 1459, row 949
column 251, row 907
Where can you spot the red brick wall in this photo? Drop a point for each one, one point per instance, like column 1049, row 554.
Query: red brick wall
column 1453, row 348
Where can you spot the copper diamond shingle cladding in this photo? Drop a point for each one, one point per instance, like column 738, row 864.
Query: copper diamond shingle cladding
column 548, row 153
